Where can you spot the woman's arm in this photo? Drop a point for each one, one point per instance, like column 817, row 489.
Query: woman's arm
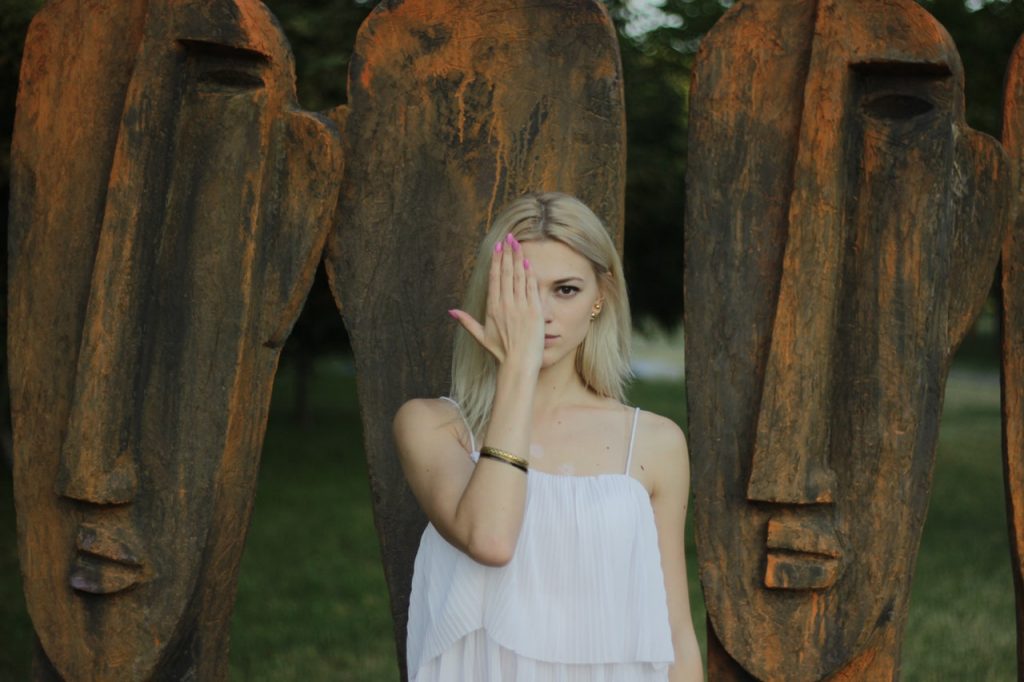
column 480, row 509
column 669, row 497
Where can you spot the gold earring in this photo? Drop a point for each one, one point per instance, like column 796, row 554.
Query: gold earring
column 595, row 312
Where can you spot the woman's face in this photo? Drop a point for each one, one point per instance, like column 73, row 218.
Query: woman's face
column 568, row 292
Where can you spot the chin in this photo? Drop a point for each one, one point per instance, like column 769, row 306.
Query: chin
column 555, row 356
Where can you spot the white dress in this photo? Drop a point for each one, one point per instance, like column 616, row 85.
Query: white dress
column 582, row 600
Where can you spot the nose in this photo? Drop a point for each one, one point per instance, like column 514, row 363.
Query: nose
column 97, row 461
column 792, row 439
column 545, row 307
column 96, row 476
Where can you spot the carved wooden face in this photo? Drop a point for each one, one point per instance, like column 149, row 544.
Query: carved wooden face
column 842, row 229
column 169, row 206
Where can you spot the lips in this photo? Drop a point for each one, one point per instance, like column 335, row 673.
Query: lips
column 108, row 560
column 803, row 553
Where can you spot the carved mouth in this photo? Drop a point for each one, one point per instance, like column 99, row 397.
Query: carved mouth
column 107, row 561
column 803, row 553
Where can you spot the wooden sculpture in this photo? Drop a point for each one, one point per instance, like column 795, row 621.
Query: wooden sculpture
column 169, row 206
column 1013, row 341
column 842, row 231
column 454, row 109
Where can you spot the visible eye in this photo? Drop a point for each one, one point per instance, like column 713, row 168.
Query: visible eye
column 897, row 106
column 567, row 290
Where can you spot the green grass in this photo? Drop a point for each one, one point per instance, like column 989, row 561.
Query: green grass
column 312, row 603
column 961, row 623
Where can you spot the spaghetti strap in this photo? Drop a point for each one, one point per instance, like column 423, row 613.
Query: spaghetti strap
column 632, row 439
column 472, row 441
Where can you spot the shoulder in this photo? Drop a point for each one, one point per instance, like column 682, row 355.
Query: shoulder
column 661, row 450
column 425, row 422
column 662, row 436
column 420, row 411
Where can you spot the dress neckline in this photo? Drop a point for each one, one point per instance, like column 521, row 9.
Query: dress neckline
column 592, row 477
column 475, row 455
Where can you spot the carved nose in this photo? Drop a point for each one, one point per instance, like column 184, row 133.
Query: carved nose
column 800, row 478
column 96, row 476
column 790, row 457
column 97, row 463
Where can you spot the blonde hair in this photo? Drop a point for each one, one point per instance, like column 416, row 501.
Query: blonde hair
column 602, row 360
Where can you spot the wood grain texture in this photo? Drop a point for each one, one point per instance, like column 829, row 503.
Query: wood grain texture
column 842, row 230
column 455, row 108
column 1013, row 341
column 169, row 206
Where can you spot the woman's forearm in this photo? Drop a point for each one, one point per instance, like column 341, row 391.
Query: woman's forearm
column 491, row 508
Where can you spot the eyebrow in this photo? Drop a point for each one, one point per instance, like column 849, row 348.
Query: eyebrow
column 567, row 279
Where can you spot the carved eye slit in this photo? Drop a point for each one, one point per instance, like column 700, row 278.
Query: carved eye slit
column 236, row 79
column 225, row 68
column 897, row 107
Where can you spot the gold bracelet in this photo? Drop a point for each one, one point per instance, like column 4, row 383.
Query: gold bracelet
column 506, row 457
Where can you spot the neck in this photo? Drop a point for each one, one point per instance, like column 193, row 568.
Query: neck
column 558, row 385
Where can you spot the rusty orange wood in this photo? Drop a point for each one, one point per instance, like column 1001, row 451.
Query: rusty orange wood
column 169, row 206
column 455, row 108
column 842, row 230
column 1013, row 341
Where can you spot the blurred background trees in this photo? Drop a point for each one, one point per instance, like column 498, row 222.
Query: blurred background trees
column 658, row 41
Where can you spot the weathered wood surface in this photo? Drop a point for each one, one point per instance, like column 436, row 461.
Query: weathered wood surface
column 1013, row 340
column 843, row 226
column 169, row 206
column 455, row 108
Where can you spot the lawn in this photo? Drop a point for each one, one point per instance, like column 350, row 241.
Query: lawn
column 312, row 603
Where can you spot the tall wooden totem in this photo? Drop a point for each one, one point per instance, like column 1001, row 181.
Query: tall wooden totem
column 170, row 203
column 1013, row 340
column 842, row 231
column 455, row 108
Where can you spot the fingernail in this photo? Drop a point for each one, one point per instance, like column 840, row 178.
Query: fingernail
column 497, row 248
column 515, row 244
column 526, row 263
column 453, row 313
column 509, row 238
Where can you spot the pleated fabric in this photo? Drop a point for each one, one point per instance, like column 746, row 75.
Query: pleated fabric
column 583, row 598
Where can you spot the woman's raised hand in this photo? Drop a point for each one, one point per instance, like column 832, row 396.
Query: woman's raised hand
column 513, row 329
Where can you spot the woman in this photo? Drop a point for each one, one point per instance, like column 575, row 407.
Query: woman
column 555, row 551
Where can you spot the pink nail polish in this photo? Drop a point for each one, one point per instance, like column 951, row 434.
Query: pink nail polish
column 526, row 263
column 497, row 247
column 515, row 245
column 453, row 313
